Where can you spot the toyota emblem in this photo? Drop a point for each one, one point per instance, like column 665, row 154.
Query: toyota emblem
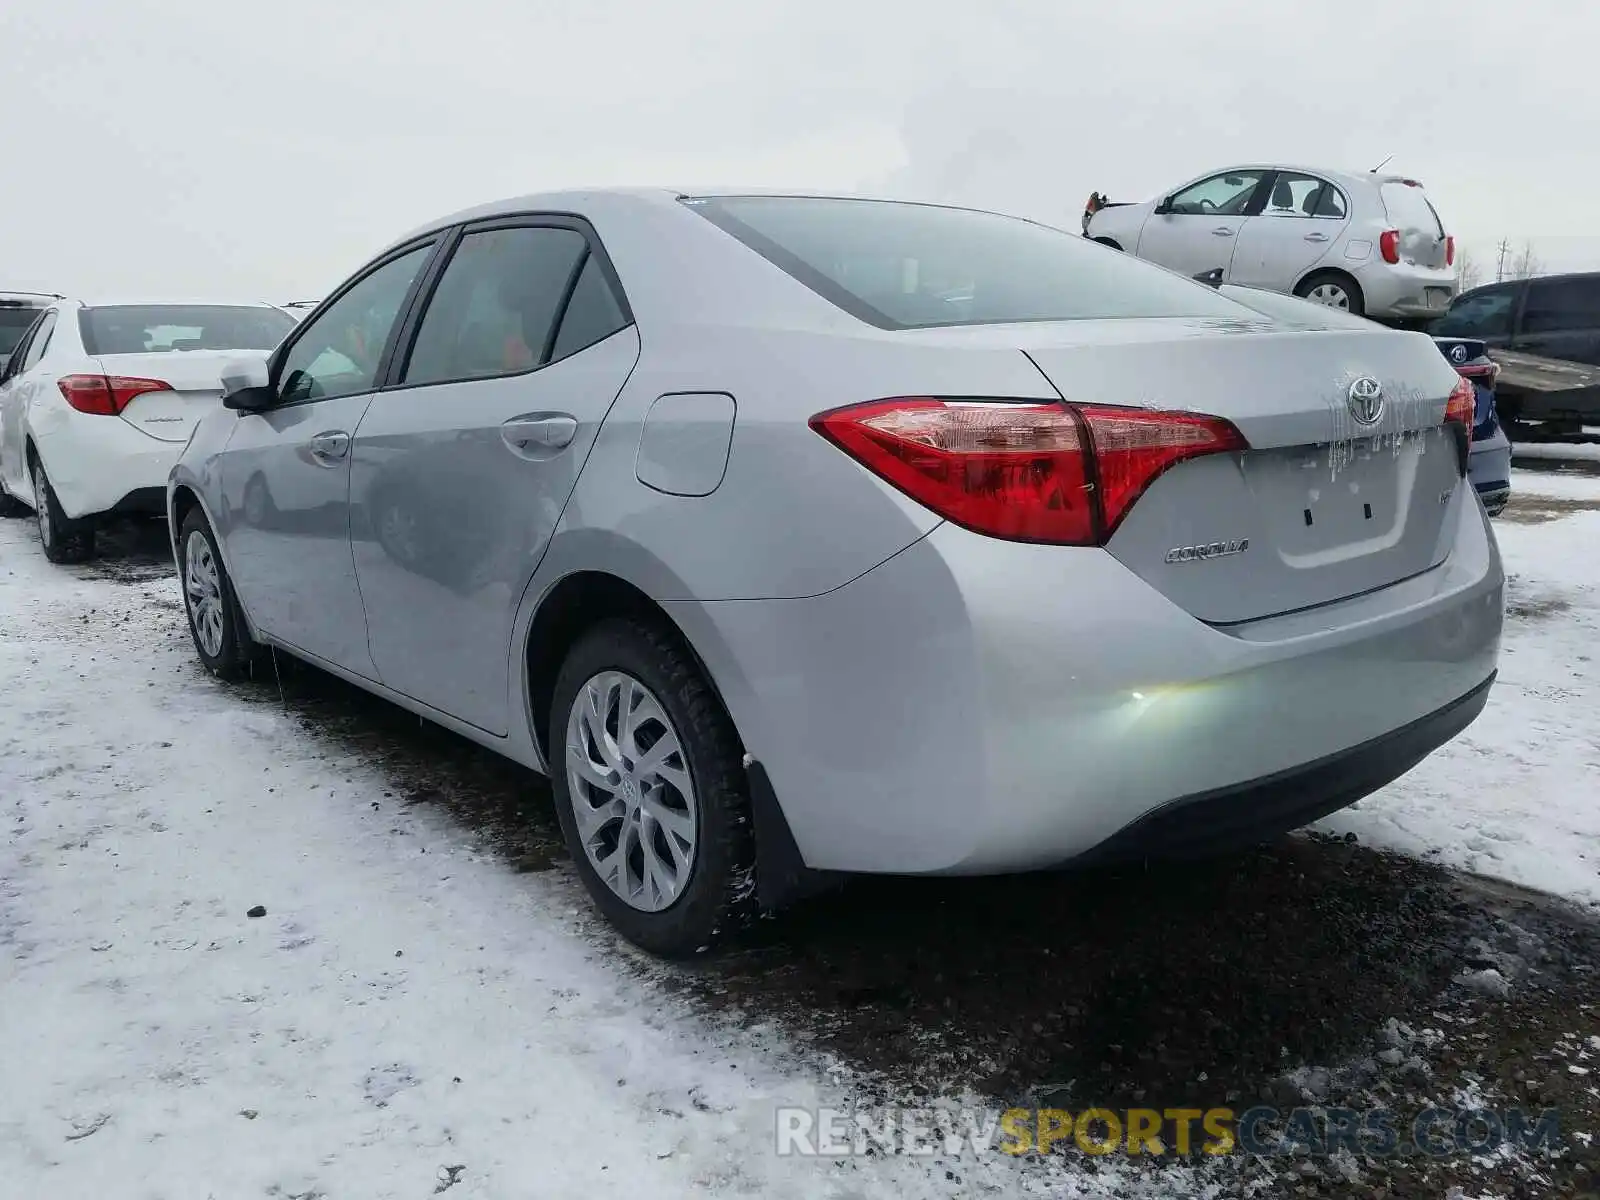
column 1366, row 400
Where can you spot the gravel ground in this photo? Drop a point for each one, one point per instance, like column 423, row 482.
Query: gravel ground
column 1315, row 971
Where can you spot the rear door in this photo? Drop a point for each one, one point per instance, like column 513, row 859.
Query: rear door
column 462, row 467
column 1322, row 506
column 1199, row 223
column 13, row 464
column 1304, row 216
column 1561, row 319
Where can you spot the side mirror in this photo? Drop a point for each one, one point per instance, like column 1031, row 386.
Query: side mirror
column 1164, row 206
column 247, row 385
column 1211, row 278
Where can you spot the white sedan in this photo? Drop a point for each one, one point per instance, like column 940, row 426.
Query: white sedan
column 1369, row 244
column 98, row 400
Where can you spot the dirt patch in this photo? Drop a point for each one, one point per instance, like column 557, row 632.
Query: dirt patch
column 1537, row 510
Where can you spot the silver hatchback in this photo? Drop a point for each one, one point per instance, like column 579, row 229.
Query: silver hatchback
column 1371, row 244
column 796, row 535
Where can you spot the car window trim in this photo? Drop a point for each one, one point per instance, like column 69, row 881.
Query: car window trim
column 593, row 248
column 430, row 242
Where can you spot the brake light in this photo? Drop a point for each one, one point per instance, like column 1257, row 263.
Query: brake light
column 1450, row 251
column 106, row 395
column 1389, row 245
column 1459, row 409
column 1027, row 472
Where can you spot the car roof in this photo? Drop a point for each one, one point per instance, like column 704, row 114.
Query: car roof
column 1483, row 287
column 174, row 301
column 1341, row 176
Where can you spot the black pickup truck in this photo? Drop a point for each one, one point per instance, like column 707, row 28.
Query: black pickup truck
column 1545, row 333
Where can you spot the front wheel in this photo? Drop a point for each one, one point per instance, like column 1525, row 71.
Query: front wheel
column 216, row 623
column 1333, row 289
column 650, row 789
column 63, row 541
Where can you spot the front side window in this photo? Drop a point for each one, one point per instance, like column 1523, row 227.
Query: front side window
column 338, row 352
column 496, row 305
column 899, row 265
column 1560, row 304
column 1480, row 314
column 1226, row 195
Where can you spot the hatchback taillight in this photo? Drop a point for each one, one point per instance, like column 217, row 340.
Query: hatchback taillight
column 1450, row 251
column 106, row 395
column 1028, row 472
column 1389, row 245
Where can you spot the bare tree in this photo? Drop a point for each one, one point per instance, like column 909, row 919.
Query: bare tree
column 1526, row 265
column 1468, row 273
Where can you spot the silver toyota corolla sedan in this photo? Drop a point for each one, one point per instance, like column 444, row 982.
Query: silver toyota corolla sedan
column 796, row 535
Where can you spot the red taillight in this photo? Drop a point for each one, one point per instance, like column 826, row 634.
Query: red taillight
column 1027, row 472
column 1450, row 251
column 1460, row 407
column 106, row 395
column 1389, row 245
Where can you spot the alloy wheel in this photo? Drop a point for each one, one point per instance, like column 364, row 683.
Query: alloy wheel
column 633, row 801
column 202, row 587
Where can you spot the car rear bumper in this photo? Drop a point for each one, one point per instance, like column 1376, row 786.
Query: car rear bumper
column 1489, row 468
column 1404, row 291
column 975, row 706
column 103, row 465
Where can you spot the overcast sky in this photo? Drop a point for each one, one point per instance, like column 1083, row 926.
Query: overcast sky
column 218, row 148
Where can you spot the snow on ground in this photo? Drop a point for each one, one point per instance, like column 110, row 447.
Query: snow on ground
column 1517, row 796
column 404, row 1007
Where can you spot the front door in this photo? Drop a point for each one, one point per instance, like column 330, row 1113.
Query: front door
column 286, row 471
column 462, row 469
column 1303, row 219
column 1195, row 229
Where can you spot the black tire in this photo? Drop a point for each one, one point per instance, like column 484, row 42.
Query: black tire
column 720, row 894
column 236, row 651
column 64, row 540
column 1352, row 290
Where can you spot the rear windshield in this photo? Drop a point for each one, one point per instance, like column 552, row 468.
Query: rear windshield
column 1409, row 208
column 913, row 266
column 159, row 328
column 14, row 322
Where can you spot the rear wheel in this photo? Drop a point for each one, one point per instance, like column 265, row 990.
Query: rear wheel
column 216, row 622
column 650, row 789
column 64, row 541
column 1334, row 289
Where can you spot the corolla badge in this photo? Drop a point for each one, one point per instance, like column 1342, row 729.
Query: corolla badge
column 1186, row 554
column 1366, row 400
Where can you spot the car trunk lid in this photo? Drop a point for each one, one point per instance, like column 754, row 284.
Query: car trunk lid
column 1322, row 506
column 1422, row 234
column 194, row 379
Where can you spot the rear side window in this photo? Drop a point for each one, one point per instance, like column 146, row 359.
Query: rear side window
column 592, row 314
column 165, row 328
column 1485, row 313
column 1409, row 208
column 15, row 321
column 1559, row 304
column 495, row 307
column 910, row 266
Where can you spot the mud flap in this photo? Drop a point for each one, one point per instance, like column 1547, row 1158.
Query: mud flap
column 782, row 876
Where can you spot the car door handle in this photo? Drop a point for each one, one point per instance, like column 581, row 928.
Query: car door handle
column 547, row 431
column 330, row 448
column 1316, row 237
column 1222, row 231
